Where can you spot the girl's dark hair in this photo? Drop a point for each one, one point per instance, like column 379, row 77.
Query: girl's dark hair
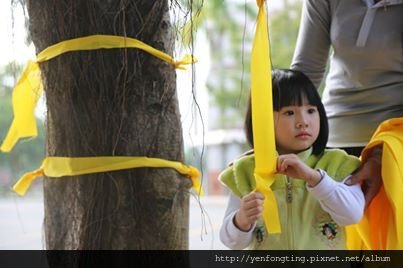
column 292, row 87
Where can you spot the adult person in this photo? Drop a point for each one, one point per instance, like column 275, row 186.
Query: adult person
column 364, row 84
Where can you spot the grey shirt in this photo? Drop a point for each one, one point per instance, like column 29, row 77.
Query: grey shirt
column 365, row 82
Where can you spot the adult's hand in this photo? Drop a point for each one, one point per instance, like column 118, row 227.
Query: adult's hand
column 370, row 175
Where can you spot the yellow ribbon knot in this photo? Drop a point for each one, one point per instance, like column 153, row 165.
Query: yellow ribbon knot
column 186, row 60
column 194, row 175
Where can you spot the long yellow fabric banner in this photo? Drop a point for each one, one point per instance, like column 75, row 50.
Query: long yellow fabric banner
column 263, row 122
column 28, row 89
column 56, row 167
column 381, row 228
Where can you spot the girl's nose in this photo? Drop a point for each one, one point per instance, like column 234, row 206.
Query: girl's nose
column 302, row 123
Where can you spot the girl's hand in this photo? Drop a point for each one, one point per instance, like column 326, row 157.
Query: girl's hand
column 290, row 165
column 250, row 210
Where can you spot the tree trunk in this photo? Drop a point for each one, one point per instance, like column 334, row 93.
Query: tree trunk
column 113, row 102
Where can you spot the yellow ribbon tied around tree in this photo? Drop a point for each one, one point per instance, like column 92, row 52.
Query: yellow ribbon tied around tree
column 56, row 167
column 26, row 94
column 263, row 122
column 29, row 87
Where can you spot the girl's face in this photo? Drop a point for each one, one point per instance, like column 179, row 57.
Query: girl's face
column 296, row 128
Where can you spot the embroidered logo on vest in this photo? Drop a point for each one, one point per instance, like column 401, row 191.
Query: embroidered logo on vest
column 259, row 232
column 329, row 230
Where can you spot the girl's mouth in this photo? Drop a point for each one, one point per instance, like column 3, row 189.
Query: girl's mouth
column 303, row 135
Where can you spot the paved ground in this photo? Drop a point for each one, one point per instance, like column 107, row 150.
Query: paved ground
column 21, row 223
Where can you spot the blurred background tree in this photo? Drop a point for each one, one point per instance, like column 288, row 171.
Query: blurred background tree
column 229, row 27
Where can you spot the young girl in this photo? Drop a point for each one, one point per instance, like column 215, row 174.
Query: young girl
column 313, row 199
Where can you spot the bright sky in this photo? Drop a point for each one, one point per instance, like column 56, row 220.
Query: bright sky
column 12, row 45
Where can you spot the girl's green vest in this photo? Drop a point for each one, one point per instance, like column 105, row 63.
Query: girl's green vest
column 305, row 225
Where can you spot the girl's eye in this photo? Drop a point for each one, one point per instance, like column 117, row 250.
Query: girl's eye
column 288, row 113
column 312, row 110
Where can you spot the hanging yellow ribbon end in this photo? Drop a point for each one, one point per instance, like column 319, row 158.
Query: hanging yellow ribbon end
column 25, row 96
column 270, row 209
column 26, row 180
column 10, row 140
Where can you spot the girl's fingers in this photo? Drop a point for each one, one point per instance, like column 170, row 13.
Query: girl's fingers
column 253, row 196
column 254, row 212
column 285, row 161
column 279, row 161
column 282, row 163
column 290, row 162
column 253, row 204
column 252, row 217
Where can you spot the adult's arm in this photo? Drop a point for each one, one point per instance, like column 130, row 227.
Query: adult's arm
column 370, row 175
column 313, row 43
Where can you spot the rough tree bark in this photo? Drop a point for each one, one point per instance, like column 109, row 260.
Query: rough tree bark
column 111, row 102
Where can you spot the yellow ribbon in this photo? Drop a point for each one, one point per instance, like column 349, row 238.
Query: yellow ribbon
column 94, row 42
column 381, row 226
column 56, row 167
column 29, row 87
column 25, row 96
column 263, row 122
